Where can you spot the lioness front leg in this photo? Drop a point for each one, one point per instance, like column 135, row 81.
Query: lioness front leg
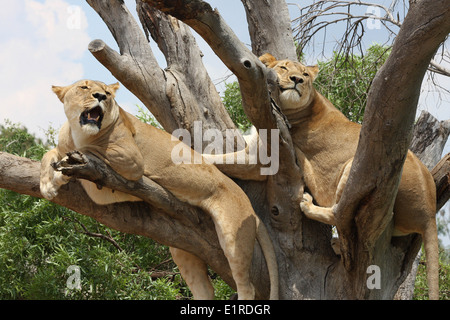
column 314, row 212
column 51, row 180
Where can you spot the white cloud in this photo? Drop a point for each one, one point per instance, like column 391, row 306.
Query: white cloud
column 43, row 46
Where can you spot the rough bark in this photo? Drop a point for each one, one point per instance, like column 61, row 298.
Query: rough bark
column 251, row 73
column 264, row 23
column 441, row 175
column 429, row 138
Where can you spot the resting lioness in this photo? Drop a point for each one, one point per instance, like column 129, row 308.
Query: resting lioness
column 325, row 142
column 97, row 125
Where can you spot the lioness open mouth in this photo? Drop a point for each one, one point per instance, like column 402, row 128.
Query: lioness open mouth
column 92, row 116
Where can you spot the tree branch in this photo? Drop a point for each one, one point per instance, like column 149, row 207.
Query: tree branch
column 429, row 138
column 98, row 235
column 177, row 96
column 269, row 29
column 136, row 66
column 309, row 24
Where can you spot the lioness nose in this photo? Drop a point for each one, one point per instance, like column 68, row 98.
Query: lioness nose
column 99, row 96
column 296, row 79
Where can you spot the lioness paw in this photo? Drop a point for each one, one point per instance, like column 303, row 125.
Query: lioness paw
column 307, row 200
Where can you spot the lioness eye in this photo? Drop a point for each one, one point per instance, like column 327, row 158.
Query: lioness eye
column 83, row 87
column 284, row 68
column 108, row 93
column 306, row 74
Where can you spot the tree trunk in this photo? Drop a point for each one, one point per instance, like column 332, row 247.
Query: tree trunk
column 183, row 93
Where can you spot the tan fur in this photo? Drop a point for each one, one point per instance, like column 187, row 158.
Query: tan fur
column 133, row 149
column 326, row 141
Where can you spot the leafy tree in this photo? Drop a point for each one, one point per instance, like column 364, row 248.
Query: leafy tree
column 232, row 101
column 16, row 139
column 40, row 240
column 343, row 79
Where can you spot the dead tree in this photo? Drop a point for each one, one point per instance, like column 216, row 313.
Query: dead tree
column 183, row 93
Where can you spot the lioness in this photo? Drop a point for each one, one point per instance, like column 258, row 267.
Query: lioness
column 325, row 143
column 97, row 125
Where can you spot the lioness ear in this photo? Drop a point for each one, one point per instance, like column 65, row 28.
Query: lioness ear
column 114, row 87
column 60, row 92
column 313, row 71
column 267, row 59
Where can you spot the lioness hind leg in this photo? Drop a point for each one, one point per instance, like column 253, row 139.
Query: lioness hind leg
column 314, row 212
column 194, row 272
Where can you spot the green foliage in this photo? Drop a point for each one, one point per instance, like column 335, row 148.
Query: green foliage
column 221, row 290
column 16, row 140
column 40, row 240
column 345, row 80
column 233, row 103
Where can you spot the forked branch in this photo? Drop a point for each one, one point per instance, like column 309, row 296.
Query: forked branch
column 251, row 73
column 385, row 136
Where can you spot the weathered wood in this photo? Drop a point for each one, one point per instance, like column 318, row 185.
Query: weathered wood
column 163, row 217
column 177, row 96
column 135, row 65
column 429, row 138
column 251, row 73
